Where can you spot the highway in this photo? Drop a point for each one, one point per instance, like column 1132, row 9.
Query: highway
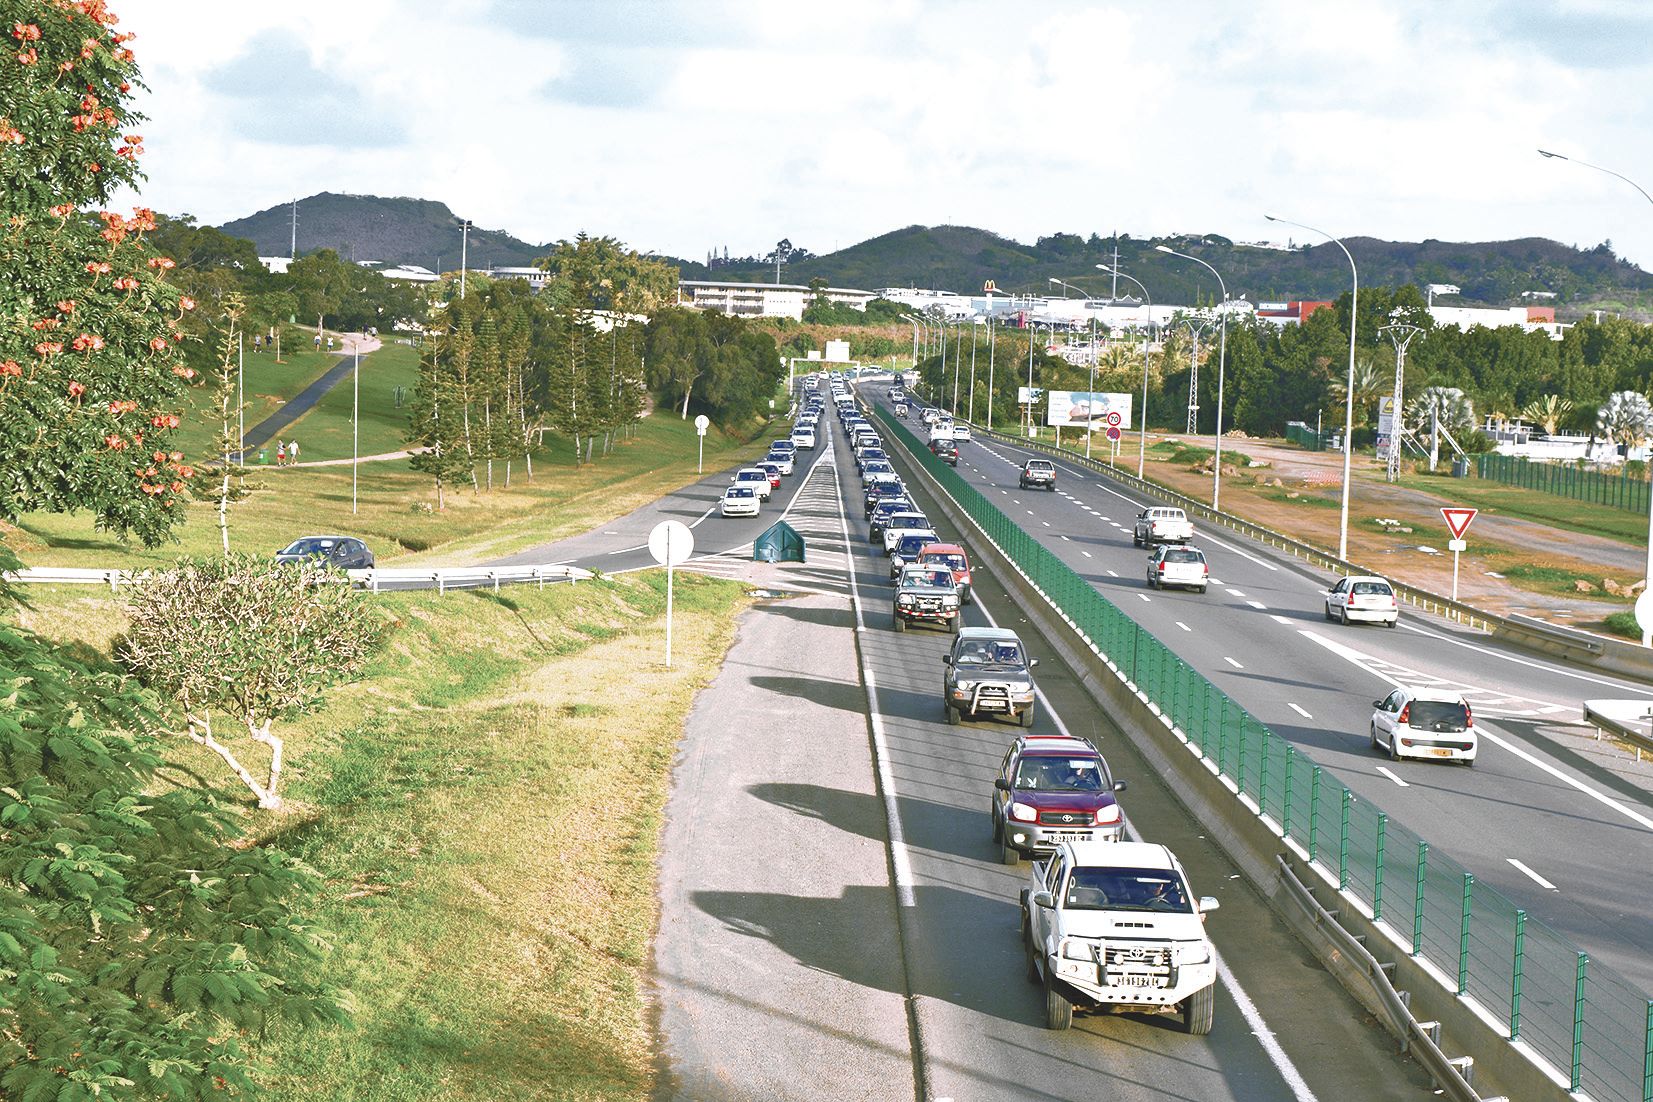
column 1539, row 817
column 1284, row 1030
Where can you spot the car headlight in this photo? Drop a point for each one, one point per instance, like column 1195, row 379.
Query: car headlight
column 949, row 602
column 1023, row 813
column 1107, row 816
column 1020, row 686
column 965, row 686
column 1198, row 952
column 904, row 599
column 1078, row 949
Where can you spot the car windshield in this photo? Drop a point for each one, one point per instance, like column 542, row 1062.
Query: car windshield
column 908, row 546
column 752, row 476
column 740, row 491
column 310, row 545
column 1370, row 589
column 982, row 652
column 953, row 562
column 1059, row 774
column 1178, row 554
column 1038, row 466
column 1437, row 715
column 934, row 579
column 1127, row 890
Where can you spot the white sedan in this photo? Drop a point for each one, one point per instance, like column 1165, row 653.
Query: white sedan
column 740, row 501
column 1362, row 598
column 1416, row 722
column 755, row 477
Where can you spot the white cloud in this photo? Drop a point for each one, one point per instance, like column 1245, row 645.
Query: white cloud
column 680, row 126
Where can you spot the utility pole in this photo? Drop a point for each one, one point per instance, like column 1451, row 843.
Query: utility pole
column 1194, row 327
column 292, row 248
column 464, row 244
column 1401, row 333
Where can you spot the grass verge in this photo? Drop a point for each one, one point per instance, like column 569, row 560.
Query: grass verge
column 1514, row 501
column 485, row 810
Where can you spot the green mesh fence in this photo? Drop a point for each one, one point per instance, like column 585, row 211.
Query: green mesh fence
column 1592, row 1025
column 1615, row 491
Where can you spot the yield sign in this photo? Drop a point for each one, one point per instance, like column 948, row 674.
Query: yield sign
column 1458, row 520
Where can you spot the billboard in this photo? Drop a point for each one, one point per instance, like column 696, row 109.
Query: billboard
column 1029, row 395
column 1092, row 410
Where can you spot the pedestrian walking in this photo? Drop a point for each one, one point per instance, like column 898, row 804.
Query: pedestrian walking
column 318, row 342
column 281, row 454
column 330, row 344
column 292, row 451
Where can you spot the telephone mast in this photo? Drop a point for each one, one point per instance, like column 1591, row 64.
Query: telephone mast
column 1401, row 333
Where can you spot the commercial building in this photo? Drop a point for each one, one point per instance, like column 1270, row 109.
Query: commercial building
column 763, row 300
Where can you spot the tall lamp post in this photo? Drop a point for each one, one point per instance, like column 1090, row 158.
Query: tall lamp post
column 1142, row 442
column 1585, row 164
column 1349, row 404
column 1090, row 387
column 1222, row 362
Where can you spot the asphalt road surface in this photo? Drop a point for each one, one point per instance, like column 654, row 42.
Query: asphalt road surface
column 1560, row 824
column 835, row 919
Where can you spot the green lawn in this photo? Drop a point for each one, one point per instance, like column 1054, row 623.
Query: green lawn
column 395, row 504
column 1514, row 501
column 484, row 809
column 324, row 432
column 266, row 385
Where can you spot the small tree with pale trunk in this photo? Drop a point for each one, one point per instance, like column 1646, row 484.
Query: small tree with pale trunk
column 241, row 642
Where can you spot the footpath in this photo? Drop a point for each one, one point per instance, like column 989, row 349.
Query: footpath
column 279, row 421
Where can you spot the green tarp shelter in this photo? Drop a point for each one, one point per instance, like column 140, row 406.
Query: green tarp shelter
column 780, row 544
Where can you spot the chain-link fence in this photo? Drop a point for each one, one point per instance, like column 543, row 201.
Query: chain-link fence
column 1589, row 1023
column 1625, row 490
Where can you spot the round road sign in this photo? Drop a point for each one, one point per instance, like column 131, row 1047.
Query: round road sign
column 1114, row 433
column 700, row 424
column 1644, row 611
column 671, row 543
column 1114, row 418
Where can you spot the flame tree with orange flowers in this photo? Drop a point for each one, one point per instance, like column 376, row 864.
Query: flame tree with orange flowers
column 141, row 942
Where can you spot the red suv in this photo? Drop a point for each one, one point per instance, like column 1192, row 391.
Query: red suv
column 953, row 557
column 1053, row 789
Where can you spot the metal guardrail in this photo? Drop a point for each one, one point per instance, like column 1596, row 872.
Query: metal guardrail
column 1624, row 720
column 1632, row 661
column 1574, row 1023
column 375, row 580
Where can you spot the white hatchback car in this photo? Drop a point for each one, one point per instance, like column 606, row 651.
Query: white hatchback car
column 755, row 477
column 1434, row 724
column 1362, row 598
column 740, row 501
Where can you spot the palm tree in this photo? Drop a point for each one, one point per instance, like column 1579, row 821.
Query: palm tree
column 1626, row 419
column 1447, row 403
column 1371, row 383
column 1547, row 412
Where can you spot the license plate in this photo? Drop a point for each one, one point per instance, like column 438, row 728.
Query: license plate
column 1441, row 753
column 1137, row 979
column 992, row 706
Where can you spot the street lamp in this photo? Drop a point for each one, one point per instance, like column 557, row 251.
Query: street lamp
column 1349, row 405
column 1649, row 198
column 1222, row 361
column 1142, row 443
column 1090, row 391
column 909, row 317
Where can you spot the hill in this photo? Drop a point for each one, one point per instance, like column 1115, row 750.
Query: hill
column 373, row 227
column 961, row 258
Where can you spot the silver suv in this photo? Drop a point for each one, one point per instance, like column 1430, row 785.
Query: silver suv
column 988, row 673
column 1038, row 474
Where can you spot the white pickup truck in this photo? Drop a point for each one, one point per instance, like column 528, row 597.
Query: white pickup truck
column 1161, row 524
column 1114, row 926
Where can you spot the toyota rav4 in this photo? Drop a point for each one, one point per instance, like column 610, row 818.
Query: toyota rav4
column 1050, row 789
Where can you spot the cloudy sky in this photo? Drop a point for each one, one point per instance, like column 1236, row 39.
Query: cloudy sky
column 685, row 126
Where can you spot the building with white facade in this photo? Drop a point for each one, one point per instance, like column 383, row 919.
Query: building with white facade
column 1533, row 319
column 763, row 300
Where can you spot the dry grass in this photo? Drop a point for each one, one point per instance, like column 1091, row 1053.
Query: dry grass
column 485, row 809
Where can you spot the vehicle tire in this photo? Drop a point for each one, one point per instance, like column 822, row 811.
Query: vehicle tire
column 1026, row 718
column 1394, row 746
column 993, row 814
column 1199, row 589
column 900, row 624
column 952, row 715
column 957, row 620
column 1328, row 612
column 1198, row 1010
column 1058, row 1010
column 1343, row 616
column 1395, row 623
column 1029, row 952
column 1136, row 539
column 1375, row 744
column 1008, row 853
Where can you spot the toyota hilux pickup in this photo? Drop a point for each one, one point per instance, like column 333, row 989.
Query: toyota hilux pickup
column 1161, row 524
column 1037, row 474
column 926, row 595
column 1114, row 926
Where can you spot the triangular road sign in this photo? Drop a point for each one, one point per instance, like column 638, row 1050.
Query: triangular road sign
column 1458, row 520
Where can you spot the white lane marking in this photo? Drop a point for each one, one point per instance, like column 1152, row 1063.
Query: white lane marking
column 1046, row 523
column 1298, row 710
column 1226, row 546
column 1113, row 573
column 704, row 515
column 623, row 550
column 1030, row 512
column 1233, row 663
column 1618, row 686
column 1066, row 540
column 1384, row 769
column 1281, row 620
column 900, row 861
column 1145, row 597
column 1236, row 593
column 1364, row 662
column 1257, row 604
column 1543, row 883
column 1184, row 626
column 1087, row 554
